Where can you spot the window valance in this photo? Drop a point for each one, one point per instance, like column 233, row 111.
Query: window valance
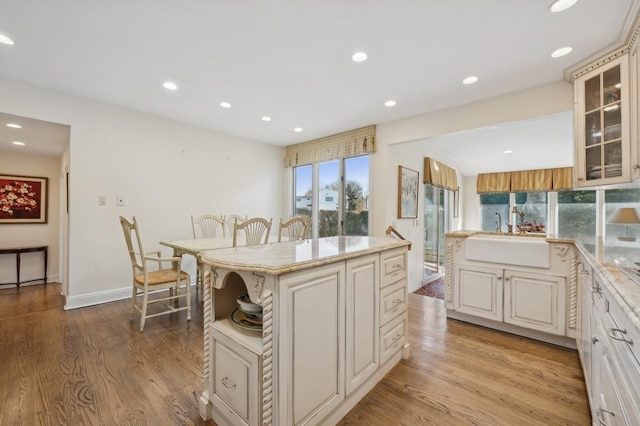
column 439, row 174
column 526, row 180
column 342, row 145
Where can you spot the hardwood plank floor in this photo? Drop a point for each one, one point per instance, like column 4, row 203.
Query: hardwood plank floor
column 93, row 366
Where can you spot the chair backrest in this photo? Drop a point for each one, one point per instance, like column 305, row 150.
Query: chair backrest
column 254, row 229
column 208, row 225
column 134, row 244
column 297, row 228
column 230, row 220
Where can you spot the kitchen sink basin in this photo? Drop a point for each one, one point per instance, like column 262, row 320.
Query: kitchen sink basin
column 509, row 250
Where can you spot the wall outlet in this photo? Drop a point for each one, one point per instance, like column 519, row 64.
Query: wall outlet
column 102, row 200
column 119, row 200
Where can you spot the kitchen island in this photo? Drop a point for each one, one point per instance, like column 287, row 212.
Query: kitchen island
column 334, row 322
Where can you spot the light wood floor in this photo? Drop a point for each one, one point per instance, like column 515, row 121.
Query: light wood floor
column 92, row 366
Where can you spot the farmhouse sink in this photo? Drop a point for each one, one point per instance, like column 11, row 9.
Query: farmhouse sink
column 509, row 249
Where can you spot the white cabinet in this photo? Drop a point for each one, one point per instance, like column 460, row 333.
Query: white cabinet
column 323, row 344
column 602, row 125
column 584, row 338
column 535, row 301
column 312, row 314
column 236, row 364
column 478, row 291
column 362, row 321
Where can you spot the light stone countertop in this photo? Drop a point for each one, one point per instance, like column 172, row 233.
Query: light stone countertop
column 285, row 257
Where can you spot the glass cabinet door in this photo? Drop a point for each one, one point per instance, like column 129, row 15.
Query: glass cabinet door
column 602, row 117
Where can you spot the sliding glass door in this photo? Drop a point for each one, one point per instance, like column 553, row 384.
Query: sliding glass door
column 434, row 226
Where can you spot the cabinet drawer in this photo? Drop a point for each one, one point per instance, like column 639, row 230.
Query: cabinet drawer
column 393, row 336
column 393, row 265
column 234, row 380
column 393, row 301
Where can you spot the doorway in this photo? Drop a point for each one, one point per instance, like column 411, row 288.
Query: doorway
column 434, row 226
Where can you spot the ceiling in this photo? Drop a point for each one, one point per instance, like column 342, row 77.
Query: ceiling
column 291, row 60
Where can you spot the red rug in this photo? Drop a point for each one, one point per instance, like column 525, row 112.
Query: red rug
column 433, row 289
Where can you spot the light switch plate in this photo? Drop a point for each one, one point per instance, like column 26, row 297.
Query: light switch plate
column 102, row 200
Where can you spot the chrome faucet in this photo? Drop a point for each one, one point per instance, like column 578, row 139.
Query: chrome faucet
column 499, row 223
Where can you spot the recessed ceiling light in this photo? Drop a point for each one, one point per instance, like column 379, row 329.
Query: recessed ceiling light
column 170, row 85
column 225, row 104
column 390, row 103
column 18, row 143
column 561, row 52
column 508, row 151
column 6, row 40
column 14, row 125
column 265, row 118
column 359, row 57
column 297, row 129
column 470, row 80
column 560, row 5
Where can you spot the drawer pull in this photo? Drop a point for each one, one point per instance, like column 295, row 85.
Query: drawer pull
column 600, row 417
column 395, row 302
column 596, row 290
column 594, row 340
column 585, row 272
column 396, row 266
column 398, row 337
column 613, row 333
column 225, row 382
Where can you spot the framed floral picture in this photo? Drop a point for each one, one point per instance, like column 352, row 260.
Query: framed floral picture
column 23, row 199
column 407, row 193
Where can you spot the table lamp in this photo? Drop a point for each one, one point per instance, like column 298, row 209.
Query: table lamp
column 625, row 216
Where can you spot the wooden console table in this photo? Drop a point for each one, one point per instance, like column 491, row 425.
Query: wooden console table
column 18, row 252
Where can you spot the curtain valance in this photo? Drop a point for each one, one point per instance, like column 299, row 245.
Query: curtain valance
column 439, row 174
column 342, row 145
column 526, row 180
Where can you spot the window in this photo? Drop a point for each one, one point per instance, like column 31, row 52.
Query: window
column 495, row 209
column 342, row 190
column 577, row 217
column 620, row 249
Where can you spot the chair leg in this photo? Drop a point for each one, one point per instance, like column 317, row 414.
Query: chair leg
column 133, row 301
column 143, row 315
column 188, row 290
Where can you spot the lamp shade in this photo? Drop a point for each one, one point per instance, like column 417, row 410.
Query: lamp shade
column 624, row 215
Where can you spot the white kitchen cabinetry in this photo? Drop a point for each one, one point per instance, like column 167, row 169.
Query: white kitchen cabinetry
column 602, row 124
column 478, row 291
column 584, row 335
column 535, row 301
column 322, row 346
column 532, row 292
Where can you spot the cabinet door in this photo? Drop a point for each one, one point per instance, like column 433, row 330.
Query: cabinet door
column 363, row 284
column 602, row 125
column 478, row 291
column 312, row 343
column 535, row 301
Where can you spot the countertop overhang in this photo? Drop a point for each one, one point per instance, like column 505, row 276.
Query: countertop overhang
column 290, row 256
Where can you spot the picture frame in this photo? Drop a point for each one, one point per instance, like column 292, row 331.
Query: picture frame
column 23, row 199
column 408, row 182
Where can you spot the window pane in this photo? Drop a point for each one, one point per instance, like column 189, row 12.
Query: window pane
column 328, row 196
column 303, row 191
column 356, row 195
column 620, row 248
column 490, row 205
column 577, row 217
column 534, row 207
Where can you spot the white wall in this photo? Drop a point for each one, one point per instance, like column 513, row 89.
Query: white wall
column 413, row 133
column 165, row 171
column 14, row 236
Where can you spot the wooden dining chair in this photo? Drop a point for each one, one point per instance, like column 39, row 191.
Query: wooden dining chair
column 150, row 275
column 255, row 230
column 205, row 226
column 230, row 220
column 296, row 228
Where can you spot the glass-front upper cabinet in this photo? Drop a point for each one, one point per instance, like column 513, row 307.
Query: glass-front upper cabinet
column 602, row 129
